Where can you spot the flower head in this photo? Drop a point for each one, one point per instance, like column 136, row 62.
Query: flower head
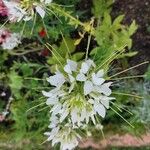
column 80, row 94
column 25, row 9
column 15, row 12
column 9, row 40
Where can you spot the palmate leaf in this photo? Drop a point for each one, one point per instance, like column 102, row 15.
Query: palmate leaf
column 19, row 115
column 112, row 37
column 15, row 82
column 132, row 28
column 101, row 6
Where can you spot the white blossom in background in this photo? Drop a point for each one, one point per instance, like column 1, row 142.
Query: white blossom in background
column 17, row 10
column 79, row 95
column 9, row 40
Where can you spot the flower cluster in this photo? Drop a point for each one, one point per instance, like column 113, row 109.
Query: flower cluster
column 25, row 9
column 79, row 96
column 9, row 40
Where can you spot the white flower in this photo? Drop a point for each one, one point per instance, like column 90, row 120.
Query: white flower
column 85, row 66
column 53, row 121
column 81, row 77
column 83, row 96
column 64, row 113
column 15, row 12
column 88, row 87
column 66, row 136
column 56, row 109
column 97, row 80
column 104, row 88
column 12, row 41
column 57, row 80
column 74, row 116
column 40, row 11
column 100, row 109
column 52, row 134
column 39, row 7
column 71, row 66
column 105, row 100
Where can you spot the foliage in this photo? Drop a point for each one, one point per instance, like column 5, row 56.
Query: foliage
column 112, row 38
column 24, row 70
column 100, row 7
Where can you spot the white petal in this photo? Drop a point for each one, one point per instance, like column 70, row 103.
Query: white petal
column 53, row 93
column 88, row 87
column 52, row 101
column 72, row 64
column 55, row 140
column 48, row 1
column 100, row 109
column 90, row 63
column 84, row 68
column 93, row 119
column 74, row 116
column 100, row 73
column 53, row 121
column 40, row 11
column 53, row 124
column 47, row 94
column 56, row 109
column 105, row 88
column 105, row 102
column 64, row 115
column 67, row 69
column 71, row 78
column 81, row 77
column 57, row 80
column 96, row 80
column 83, row 114
column 71, row 87
column 52, row 134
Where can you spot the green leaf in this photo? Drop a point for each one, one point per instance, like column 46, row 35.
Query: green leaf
column 78, row 56
column 117, row 21
column 67, row 46
column 27, row 71
column 16, row 82
column 133, row 27
column 107, row 19
column 130, row 54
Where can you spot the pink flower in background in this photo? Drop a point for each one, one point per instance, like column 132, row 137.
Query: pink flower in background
column 3, row 9
column 4, row 34
column 9, row 40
